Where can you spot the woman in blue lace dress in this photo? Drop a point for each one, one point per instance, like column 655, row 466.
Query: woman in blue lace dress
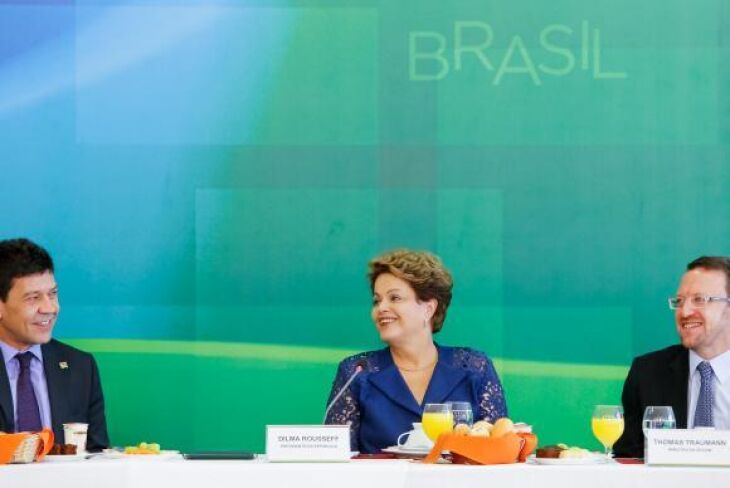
column 411, row 293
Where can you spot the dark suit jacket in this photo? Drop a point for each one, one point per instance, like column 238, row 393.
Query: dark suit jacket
column 657, row 378
column 74, row 392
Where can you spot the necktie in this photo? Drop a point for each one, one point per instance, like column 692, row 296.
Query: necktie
column 703, row 411
column 28, row 416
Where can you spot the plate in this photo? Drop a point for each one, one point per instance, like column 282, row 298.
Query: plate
column 591, row 459
column 405, row 451
column 117, row 454
column 63, row 458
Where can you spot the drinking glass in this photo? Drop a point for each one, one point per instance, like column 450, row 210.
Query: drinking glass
column 437, row 419
column 658, row 418
column 462, row 413
column 608, row 425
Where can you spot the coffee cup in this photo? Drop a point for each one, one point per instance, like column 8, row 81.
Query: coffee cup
column 415, row 438
column 75, row 433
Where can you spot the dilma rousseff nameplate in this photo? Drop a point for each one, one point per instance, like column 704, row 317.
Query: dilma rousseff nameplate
column 308, row 443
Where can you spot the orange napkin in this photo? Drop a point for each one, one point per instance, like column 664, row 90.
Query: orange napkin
column 507, row 449
column 9, row 443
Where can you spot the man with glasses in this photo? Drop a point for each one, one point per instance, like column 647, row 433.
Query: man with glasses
column 694, row 377
column 43, row 382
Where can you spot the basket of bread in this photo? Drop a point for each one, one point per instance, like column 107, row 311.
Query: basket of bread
column 25, row 447
column 503, row 442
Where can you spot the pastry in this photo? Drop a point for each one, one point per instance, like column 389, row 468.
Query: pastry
column 502, row 427
column 481, row 429
column 552, row 451
column 462, row 429
column 63, row 450
column 574, row 452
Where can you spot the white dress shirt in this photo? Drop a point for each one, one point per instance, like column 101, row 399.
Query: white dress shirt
column 721, row 380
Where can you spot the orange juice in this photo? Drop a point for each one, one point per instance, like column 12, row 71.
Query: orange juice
column 607, row 430
column 437, row 423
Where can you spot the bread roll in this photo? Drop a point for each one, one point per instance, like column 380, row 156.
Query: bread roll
column 479, row 433
column 482, row 425
column 502, row 426
column 481, row 429
column 462, row 429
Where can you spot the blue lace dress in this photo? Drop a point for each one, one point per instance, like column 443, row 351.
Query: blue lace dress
column 378, row 406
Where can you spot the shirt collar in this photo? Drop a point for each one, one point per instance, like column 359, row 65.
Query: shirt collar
column 9, row 352
column 720, row 365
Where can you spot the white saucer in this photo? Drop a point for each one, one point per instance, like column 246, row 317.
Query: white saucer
column 593, row 458
column 63, row 458
column 405, row 451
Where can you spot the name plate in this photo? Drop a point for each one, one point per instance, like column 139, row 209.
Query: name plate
column 688, row 447
column 308, row 443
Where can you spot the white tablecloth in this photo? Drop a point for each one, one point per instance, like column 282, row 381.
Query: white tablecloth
column 124, row 473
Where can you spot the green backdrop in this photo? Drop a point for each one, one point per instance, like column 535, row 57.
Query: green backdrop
column 212, row 177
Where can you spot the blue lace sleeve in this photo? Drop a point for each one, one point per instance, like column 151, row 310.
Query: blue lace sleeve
column 492, row 404
column 346, row 410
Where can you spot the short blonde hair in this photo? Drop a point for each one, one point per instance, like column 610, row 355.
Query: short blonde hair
column 423, row 271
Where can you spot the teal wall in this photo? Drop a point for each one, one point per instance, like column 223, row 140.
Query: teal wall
column 212, row 177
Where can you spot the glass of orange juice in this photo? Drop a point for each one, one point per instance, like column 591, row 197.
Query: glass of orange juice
column 608, row 425
column 437, row 419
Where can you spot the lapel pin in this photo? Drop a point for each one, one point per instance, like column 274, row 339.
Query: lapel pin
column 63, row 365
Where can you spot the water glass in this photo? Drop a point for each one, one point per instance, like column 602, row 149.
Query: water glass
column 462, row 413
column 658, row 418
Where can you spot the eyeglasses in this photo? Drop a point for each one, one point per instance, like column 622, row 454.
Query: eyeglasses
column 697, row 301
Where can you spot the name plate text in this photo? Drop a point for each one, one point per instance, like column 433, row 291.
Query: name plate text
column 688, row 447
column 307, row 443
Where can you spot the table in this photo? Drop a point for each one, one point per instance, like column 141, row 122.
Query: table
column 178, row 473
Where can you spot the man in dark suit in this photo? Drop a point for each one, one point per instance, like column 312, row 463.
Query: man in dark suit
column 43, row 382
column 692, row 378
